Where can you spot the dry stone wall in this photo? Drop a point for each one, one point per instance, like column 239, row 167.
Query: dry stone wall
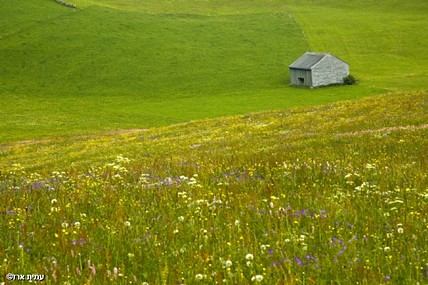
column 71, row 5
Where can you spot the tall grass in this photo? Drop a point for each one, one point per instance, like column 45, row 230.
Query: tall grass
column 316, row 195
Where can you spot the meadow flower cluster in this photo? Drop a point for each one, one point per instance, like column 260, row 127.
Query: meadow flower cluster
column 291, row 211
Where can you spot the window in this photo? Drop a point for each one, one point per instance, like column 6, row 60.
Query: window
column 301, row 80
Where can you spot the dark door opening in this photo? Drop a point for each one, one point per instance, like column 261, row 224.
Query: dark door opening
column 301, row 80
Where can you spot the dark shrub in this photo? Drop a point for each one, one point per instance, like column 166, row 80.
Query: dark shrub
column 349, row 80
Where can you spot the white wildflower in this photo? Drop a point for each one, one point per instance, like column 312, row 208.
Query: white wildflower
column 257, row 278
column 370, row 166
column 264, row 246
column 249, row 256
column 199, row 276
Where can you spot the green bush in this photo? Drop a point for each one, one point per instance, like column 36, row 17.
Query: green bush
column 349, row 80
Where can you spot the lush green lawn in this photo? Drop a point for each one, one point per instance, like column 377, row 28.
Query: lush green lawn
column 129, row 64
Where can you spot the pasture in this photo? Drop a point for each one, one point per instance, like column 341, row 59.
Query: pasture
column 159, row 142
column 111, row 65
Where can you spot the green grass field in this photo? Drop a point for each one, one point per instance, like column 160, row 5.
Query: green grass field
column 123, row 65
column 159, row 142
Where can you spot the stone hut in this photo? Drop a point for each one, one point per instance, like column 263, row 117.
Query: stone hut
column 318, row 69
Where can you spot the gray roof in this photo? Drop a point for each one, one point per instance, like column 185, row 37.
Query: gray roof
column 308, row 60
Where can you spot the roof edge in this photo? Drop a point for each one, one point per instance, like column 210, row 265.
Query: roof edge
column 322, row 54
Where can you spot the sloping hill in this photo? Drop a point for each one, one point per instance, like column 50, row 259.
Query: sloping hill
column 109, row 52
column 332, row 193
column 111, row 65
column 335, row 193
column 384, row 42
column 96, row 67
column 249, row 133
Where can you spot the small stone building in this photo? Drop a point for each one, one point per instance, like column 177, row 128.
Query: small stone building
column 318, row 69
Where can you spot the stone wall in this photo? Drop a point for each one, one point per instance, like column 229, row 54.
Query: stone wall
column 66, row 4
column 329, row 70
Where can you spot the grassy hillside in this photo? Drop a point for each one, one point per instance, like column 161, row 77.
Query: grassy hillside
column 150, row 55
column 111, row 65
column 111, row 173
column 384, row 42
column 310, row 195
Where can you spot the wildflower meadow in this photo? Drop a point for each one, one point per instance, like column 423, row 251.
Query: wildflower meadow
column 332, row 194
column 160, row 142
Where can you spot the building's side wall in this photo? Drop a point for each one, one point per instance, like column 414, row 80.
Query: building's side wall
column 329, row 70
column 300, row 77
